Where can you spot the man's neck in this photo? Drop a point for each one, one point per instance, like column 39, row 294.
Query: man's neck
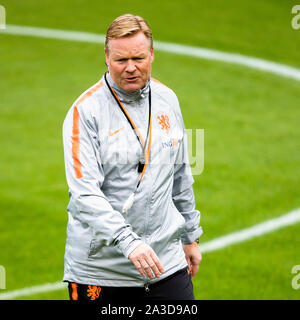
column 128, row 96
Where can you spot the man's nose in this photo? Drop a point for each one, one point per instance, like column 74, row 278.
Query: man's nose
column 130, row 67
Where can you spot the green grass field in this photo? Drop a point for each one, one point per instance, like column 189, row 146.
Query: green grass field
column 251, row 122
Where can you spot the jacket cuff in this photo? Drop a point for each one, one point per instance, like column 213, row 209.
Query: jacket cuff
column 190, row 237
column 128, row 244
column 131, row 247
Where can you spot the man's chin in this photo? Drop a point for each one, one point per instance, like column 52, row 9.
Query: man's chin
column 132, row 86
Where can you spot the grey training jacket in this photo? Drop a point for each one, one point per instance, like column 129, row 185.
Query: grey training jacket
column 101, row 157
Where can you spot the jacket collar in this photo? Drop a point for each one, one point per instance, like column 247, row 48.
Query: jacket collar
column 127, row 96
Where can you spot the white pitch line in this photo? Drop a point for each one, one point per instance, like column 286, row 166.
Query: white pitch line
column 260, row 229
column 198, row 52
column 47, row 287
column 54, row 34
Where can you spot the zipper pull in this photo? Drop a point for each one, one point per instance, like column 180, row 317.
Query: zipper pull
column 147, row 287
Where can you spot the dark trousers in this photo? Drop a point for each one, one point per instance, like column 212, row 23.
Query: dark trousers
column 177, row 286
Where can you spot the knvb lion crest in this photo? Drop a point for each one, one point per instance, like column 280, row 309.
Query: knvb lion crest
column 164, row 122
column 93, row 292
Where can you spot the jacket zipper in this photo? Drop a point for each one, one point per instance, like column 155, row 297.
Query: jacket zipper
column 148, row 212
column 147, row 287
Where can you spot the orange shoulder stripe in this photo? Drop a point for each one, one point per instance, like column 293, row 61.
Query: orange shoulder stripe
column 90, row 92
column 75, row 133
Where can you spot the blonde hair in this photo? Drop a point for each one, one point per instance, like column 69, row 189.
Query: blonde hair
column 127, row 25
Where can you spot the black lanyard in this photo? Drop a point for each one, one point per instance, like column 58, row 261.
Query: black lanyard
column 142, row 164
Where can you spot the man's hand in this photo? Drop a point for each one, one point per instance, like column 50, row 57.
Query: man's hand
column 193, row 257
column 146, row 261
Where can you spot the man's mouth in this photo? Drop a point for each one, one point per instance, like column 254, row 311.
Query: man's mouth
column 131, row 79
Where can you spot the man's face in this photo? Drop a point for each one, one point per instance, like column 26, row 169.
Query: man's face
column 129, row 61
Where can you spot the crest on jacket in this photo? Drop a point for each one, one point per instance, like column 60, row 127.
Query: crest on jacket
column 163, row 121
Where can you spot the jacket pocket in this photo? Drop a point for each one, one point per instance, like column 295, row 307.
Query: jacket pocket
column 179, row 220
column 93, row 248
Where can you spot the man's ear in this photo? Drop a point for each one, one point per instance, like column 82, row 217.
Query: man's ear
column 106, row 57
column 152, row 55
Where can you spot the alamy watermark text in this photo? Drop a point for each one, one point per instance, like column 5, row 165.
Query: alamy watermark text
column 296, row 19
column 2, row 17
column 2, row 278
column 296, row 278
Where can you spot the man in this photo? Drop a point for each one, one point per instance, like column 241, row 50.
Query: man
column 133, row 228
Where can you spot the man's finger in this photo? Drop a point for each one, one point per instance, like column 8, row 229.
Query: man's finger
column 156, row 260
column 153, row 267
column 139, row 268
column 195, row 262
column 147, row 268
column 188, row 260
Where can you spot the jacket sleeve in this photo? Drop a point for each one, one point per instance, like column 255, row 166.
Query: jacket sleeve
column 183, row 194
column 85, row 176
